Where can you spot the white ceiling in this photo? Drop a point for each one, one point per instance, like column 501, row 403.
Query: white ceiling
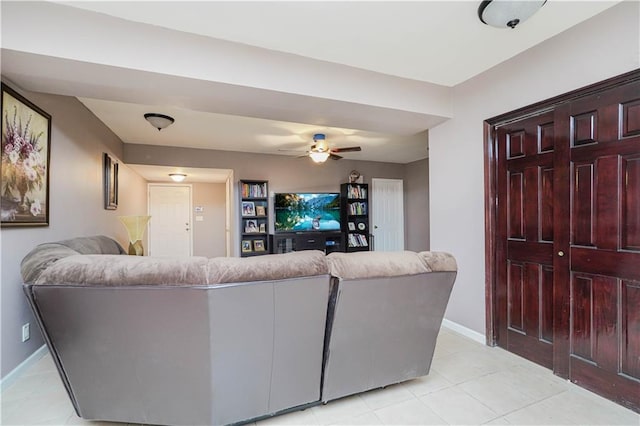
column 265, row 76
column 441, row 42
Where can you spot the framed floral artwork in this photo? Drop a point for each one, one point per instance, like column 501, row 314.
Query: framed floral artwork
column 26, row 142
column 110, row 173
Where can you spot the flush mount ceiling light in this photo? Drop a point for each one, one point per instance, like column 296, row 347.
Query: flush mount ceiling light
column 177, row 177
column 159, row 121
column 507, row 13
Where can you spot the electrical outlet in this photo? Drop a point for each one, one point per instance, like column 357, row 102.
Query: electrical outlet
column 25, row 332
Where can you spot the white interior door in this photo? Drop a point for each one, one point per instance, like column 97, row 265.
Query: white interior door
column 170, row 224
column 387, row 214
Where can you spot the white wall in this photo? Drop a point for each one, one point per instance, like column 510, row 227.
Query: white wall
column 78, row 140
column 602, row 47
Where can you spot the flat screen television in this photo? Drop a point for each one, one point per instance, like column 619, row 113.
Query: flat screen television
column 304, row 211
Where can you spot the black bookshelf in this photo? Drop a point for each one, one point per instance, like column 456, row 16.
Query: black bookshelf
column 355, row 216
column 255, row 218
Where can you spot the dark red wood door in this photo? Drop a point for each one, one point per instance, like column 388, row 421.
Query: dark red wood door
column 567, row 244
column 598, row 247
column 525, row 238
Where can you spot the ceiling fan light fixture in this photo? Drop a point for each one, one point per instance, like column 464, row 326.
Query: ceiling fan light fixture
column 159, row 121
column 507, row 13
column 177, row 177
column 319, row 157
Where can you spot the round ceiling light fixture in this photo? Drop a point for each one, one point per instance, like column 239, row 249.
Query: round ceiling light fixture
column 159, row 121
column 507, row 13
column 177, row 177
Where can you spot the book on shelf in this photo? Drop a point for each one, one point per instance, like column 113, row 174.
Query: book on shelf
column 358, row 240
column 355, row 191
column 254, row 190
column 358, row 208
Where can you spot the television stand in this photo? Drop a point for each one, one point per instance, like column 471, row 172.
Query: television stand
column 308, row 240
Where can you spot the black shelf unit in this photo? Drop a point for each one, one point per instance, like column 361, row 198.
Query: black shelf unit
column 355, row 216
column 254, row 218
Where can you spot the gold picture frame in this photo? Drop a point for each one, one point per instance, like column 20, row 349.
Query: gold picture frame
column 258, row 245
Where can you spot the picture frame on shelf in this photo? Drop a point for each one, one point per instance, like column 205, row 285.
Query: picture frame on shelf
column 246, row 246
column 248, row 208
column 263, row 228
column 25, row 152
column 110, row 182
column 261, row 211
column 352, row 226
column 258, row 245
column 251, row 226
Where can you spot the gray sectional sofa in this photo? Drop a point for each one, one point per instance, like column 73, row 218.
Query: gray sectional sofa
column 226, row 340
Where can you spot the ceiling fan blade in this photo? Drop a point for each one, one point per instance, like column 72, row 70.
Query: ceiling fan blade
column 334, row 156
column 348, row 149
column 292, row 150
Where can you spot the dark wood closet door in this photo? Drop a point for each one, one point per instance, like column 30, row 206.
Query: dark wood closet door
column 525, row 238
column 598, row 261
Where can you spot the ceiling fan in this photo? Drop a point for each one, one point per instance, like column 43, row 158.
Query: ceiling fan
column 320, row 150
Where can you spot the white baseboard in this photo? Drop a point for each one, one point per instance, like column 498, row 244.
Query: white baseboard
column 466, row 332
column 15, row 374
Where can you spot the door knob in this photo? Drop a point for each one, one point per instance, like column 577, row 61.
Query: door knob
column 560, row 253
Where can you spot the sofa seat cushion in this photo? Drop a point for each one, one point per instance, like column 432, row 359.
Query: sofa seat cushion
column 267, row 267
column 116, row 271
column 375, row 264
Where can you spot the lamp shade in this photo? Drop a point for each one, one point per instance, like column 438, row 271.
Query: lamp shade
column 159, row 121
column 136, row 226
column 177, row 177
column 319, row 157
column 507, row 13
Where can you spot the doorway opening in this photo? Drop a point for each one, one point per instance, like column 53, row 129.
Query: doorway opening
column 211, row 218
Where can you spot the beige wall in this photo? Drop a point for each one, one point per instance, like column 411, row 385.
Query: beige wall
column 416, row 201
column 286, row 174
column 78, row 140
column 602, row 47
column 209, row 234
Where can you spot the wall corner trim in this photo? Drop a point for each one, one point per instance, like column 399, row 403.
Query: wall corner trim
column 17, row 372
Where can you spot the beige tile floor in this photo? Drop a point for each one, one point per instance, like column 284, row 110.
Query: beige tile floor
column 469, row 384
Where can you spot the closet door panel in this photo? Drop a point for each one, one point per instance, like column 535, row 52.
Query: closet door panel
column 604, row 248
column 525, row 283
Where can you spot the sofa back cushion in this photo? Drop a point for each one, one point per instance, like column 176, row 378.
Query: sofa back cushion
column 374, row 264
column 439, row 261
column 268, row 267
column 118, row 271
column 44, row 255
